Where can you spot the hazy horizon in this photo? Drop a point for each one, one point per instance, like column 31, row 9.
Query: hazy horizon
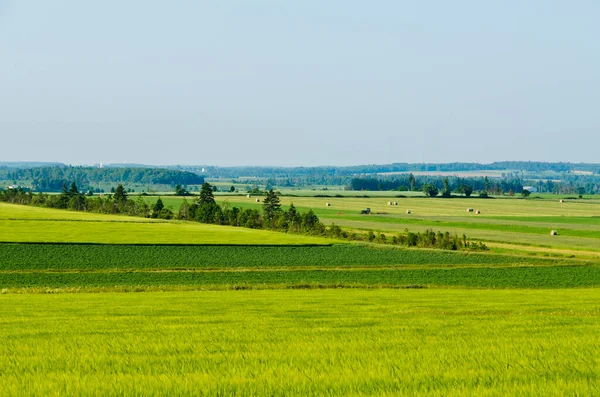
column 157, row 165
column 299, row 83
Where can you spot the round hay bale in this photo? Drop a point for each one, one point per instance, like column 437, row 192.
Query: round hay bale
column 469, row 209
column 248, row 196
column 477, row 212
column 553, row 233
column 389, row 203
column 408, row 211
column 258, row 200
column 562, row 201
column 327, row 204
column 395, row 203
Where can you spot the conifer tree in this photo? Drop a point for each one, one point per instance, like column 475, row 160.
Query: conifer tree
column 206, row 194
column 271, row 205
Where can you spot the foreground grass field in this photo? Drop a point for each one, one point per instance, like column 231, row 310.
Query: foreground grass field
column 295, row 315
column 328, row 342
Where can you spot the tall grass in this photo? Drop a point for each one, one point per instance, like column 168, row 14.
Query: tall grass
column 301, row 343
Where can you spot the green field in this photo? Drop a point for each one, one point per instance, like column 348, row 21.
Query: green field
column 507, row 224
column 332, row 342
column 235, row 311
column 502, row 220
column 106, row 267
column 313, row 278
column 93, row 251
column 32, row 224
column 94, row 257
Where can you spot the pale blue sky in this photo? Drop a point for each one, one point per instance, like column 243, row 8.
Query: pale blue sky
column 306, row 82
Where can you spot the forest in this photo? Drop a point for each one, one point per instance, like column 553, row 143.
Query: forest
column 51, row 179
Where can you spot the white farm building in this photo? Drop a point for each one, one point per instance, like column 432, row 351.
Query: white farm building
column 530, row 189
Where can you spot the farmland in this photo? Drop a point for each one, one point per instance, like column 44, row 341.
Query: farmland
column 118, row 252
column 551, row 277
column 506, row 225
column 30, row 224
column 93, row 257
column 526, row 223
column 334, row 342
column 94, row 251
column 254, row 312
column 117, row 267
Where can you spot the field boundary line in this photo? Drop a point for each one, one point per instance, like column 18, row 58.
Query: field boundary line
column 168, row 244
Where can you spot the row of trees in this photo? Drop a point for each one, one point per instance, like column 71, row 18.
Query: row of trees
column 206, row 210
column 429, row 239
column 432, row 190
column 432, row 185
column 569, row 184
column 72, row 199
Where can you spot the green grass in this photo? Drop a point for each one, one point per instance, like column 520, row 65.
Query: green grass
column 316, row 320
column 332, row 342
column 31, row 213
column 32, row 224
column 148, row 233
column 567, row 220
column 440, row 207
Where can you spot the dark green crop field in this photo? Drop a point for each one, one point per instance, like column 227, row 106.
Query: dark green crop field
column 224, row 267
column 96, row 257
column 512, row 277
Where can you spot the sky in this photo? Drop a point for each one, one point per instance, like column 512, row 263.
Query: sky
column 305, row 83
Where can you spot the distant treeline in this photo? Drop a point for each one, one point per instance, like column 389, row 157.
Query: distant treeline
column 51, row 179
column 288, row 172
column 326, row 171
column 205, row 209
column 572, row 175
column 512, row 179
column 570, row 184
column 27, row 164
column 454, row 184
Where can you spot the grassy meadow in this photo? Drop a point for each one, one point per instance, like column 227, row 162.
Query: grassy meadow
column 318, row 342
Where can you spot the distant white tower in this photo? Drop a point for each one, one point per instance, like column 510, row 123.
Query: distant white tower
column 100, row 164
